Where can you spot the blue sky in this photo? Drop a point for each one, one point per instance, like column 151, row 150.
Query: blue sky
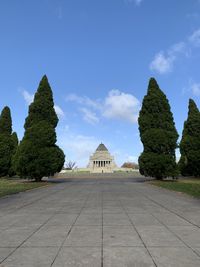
column 99, row 56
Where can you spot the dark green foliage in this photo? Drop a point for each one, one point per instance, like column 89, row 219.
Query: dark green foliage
column 15, row 143
column 5, row 122
column 6, row 145
column 38, row 155
column 158, row 134
column 189, row 163
column 42, row 107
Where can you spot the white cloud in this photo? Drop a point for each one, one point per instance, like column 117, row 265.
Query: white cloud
column 27, row 97
column 163, row 62
column 194, row 38
column 195, row 88
column 30, row 97
column 59, row 111
column 89, row 116
column 119, row 105
column 95, row 104
column 116, row 105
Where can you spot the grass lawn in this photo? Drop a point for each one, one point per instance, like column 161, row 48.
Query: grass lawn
column 188, row 186
column 8, row 187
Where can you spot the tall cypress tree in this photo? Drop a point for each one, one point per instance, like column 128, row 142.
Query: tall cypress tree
column 38, row 155
column 158, row 134
column 189, row 163
column 15, row 142
column 5, row 141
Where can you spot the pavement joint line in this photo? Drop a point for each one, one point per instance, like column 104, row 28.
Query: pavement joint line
column 171, row 231
column 11, row 225
column 37, row 229
column 100, row 196
column 21, row 244
column 171, row 211
column 71, row 229
column 138, row 234
column 167, row 226
column 34, row 201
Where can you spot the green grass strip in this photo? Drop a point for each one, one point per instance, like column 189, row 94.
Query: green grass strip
column 8, row 187
column 190, row 187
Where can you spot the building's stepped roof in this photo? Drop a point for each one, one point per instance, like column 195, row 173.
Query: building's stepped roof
column 101, row 147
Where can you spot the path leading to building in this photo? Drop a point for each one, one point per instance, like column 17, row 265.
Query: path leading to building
column 99, row 222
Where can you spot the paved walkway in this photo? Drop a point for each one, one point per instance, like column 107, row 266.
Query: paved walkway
column 96, row 223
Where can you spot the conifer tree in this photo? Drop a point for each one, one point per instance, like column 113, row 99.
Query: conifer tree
column 15, row 143
column 189, row 163
column 158, row 135
column 38, row 155
column 5, row 141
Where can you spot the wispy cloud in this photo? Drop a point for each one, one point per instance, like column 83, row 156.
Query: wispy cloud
column 195, row 38
column 136, row 2
column 59, row 111
column 194, row 88
column 84, row 100
column 163, row 62
column 89, row 116
column 28, row 97
column 116, row 105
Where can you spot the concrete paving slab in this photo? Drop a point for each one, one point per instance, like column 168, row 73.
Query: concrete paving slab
column 121, row 236
column 78, row 257
column 89, row 220
column 31, row 220
column 62, row 219
column 113, row 210
column 175, row 257
column 4, row 252
column 127, row 257
column 189, row 234
column 171, row 219
column 142, row 219
column 48, row 235
column 84, row 236
column 158, row 236
column 116, row 219
column 134, row 209
column 14, row 236
column 31, row 257
column 92, row 210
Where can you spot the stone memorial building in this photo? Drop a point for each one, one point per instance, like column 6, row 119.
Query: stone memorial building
column 102, row 161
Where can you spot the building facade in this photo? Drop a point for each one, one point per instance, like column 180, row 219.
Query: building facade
column 102, row 161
